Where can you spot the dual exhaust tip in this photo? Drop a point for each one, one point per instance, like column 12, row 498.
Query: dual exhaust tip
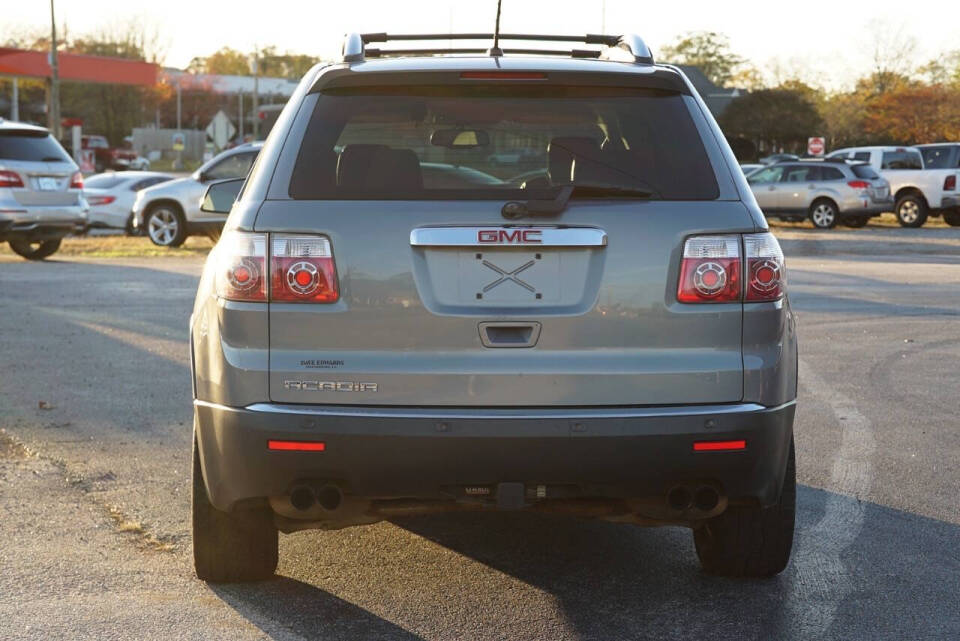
column 704, row 498
column 329, row 497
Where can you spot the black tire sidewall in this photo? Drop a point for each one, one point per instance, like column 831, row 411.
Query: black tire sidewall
column 179, row 237
column 921, row 216
column 47, row 248
column 832, row 205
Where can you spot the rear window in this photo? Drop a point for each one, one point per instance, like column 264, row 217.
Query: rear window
column 901, row 159
column 830, row 173
column 103, row 181
column 485, row 142
column 34, row 146
column 865, row 171
column 941, row 157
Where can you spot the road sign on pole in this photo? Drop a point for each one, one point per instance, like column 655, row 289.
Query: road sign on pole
column 221, row 130
column 816, row 146
column 179, row 141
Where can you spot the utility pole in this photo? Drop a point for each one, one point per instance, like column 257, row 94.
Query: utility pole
column 240, row 112
column 15, row 105
column 256, row 93
column 53, row 115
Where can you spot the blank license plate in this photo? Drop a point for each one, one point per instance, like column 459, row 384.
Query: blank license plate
column 47, row 184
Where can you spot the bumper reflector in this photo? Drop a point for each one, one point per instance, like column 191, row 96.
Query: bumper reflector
column 719, row 446
column 297, row 446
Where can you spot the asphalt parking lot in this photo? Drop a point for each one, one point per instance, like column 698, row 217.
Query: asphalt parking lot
column 95, row 459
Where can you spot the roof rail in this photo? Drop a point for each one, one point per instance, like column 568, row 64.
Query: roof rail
column 628, row 48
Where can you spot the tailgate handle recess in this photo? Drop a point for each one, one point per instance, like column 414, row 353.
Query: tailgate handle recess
column 509, row 334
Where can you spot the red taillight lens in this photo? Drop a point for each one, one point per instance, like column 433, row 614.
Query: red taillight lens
column 859, row 184
column 719, row 446
column 710, row 270
column 302, row 270
column 950, row 183
column 766, row 274
column 100, row 200
column 76, row 180
column 503, row 75
column 10, row 179
column 241, row 260
column 296, row 446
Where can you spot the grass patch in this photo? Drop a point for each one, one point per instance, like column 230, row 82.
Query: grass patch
column 121, row 247
column 11, row 448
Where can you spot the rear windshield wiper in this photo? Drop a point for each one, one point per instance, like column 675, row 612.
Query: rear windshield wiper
column 515, row 209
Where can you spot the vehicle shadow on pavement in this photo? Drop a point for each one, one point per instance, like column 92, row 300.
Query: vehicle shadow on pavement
column 621, row 582
column 285, row 604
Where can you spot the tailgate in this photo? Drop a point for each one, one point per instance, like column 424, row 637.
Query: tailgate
column 443, row 304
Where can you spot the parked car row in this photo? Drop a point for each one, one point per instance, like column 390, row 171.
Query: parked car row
column 44, row 197
column 851, row 185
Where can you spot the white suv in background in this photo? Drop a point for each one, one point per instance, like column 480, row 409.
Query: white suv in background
column 41, row 191
column 918, row 192
column 169, row 212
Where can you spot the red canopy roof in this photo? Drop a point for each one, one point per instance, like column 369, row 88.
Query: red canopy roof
column 118, row 71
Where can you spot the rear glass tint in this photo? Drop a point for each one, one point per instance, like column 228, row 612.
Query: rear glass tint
column 485, row 142
column 830, row 173
column 865, row 171
column 33, row 146
column 901, row 159
column 940, row 157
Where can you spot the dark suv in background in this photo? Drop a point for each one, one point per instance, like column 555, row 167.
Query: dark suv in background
column 608, row 335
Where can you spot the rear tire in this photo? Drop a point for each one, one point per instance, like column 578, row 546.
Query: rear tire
column 911, row 211
column 230, row 547
column 952, row 219
column 35, row 250
column 824, row 214
column 751, row 541
column 855, row 221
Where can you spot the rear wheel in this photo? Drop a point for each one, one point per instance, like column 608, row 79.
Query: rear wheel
column 952, row 219
column 911, row 211
column 751, row 541
column 855, row 221
column 166, row 226
column 824, row 214
column 230, row 547
column 35, row 250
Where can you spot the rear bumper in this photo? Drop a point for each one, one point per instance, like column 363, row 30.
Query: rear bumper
column 42, row 222
column 376, row 453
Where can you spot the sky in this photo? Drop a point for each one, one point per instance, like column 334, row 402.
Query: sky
column 828, row 42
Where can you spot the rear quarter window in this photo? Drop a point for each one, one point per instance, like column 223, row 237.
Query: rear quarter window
column 31, row 146
column 865, row 171
column 901, row 160
column 494, row 142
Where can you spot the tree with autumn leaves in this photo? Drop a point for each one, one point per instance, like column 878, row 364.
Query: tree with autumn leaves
column 896, row 102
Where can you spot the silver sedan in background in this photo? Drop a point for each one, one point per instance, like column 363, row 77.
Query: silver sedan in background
column 111, row 196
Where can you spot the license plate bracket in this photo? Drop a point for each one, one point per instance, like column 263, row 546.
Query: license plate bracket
column 47, row 183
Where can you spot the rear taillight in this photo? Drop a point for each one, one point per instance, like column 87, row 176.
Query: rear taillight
column 765, row 271
column 241, row 260
column 100, row 200
column 950, row 183
column 10, row 179
column 859, row 184
column 302, row 270
column 76, row 180
column 710, row 270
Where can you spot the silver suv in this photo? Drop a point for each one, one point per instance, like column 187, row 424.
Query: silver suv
column 41, row 191
column 826, row 192
column 602, row 329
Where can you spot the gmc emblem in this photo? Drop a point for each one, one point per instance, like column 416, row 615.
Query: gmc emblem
column 498, row 236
